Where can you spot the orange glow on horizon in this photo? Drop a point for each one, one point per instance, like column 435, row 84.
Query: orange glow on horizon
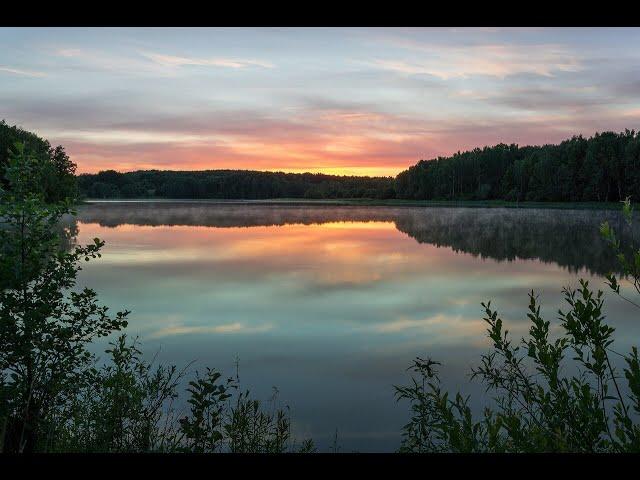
column 334, row 153
column 357, row 171
column 349, row 171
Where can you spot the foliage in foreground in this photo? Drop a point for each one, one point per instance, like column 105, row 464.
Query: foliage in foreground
column 45, row 323
column 129, row 405
column 53, row 394
column 537, row 407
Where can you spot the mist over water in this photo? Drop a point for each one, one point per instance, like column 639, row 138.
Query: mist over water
column 331, row 303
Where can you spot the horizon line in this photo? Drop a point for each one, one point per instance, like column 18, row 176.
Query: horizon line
column 327, row 170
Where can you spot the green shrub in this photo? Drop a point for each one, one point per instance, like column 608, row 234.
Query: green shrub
column 538, row 407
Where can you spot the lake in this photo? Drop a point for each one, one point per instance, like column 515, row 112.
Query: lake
column 330, row 304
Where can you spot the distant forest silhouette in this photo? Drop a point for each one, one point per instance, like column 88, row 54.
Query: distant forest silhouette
column 602, row 168
column 568, row 238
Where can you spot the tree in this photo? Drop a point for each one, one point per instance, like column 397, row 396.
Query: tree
column 56, row 175
column 45, row 323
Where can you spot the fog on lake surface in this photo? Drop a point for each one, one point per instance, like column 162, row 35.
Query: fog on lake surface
column 331, row 303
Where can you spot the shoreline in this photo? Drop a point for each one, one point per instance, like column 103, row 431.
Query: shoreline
column 370, row 203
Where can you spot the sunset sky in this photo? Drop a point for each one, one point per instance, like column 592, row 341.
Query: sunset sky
column 347, row 101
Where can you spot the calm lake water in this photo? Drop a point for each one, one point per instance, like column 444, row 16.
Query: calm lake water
column 331, row 304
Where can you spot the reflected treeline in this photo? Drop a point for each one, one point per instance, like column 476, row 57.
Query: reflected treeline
column 67, row 233
column 569, row 238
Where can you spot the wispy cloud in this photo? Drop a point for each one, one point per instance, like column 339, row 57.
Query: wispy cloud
column 489, row 60
column 403, row 324
column 180, row 61
column 89, row 59
column 69, row 52
column 444, row 327
column 18, row 71
column 554, row 99
column 230, row 328
column 150, row 62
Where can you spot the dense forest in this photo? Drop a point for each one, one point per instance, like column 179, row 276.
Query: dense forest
column 55, row 174
column 601, row 168
column 228, row 184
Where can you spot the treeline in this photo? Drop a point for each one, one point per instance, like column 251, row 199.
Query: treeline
column 227, row 184
column 601, row 168
column 55, row 175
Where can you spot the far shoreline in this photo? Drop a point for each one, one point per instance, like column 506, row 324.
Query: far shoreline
column 368, row 203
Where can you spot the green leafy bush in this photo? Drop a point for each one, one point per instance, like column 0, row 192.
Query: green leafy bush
column 45, row 322
column 538, row 408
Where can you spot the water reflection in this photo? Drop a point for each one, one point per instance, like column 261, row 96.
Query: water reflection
column 331, row 303
column 569, row 238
